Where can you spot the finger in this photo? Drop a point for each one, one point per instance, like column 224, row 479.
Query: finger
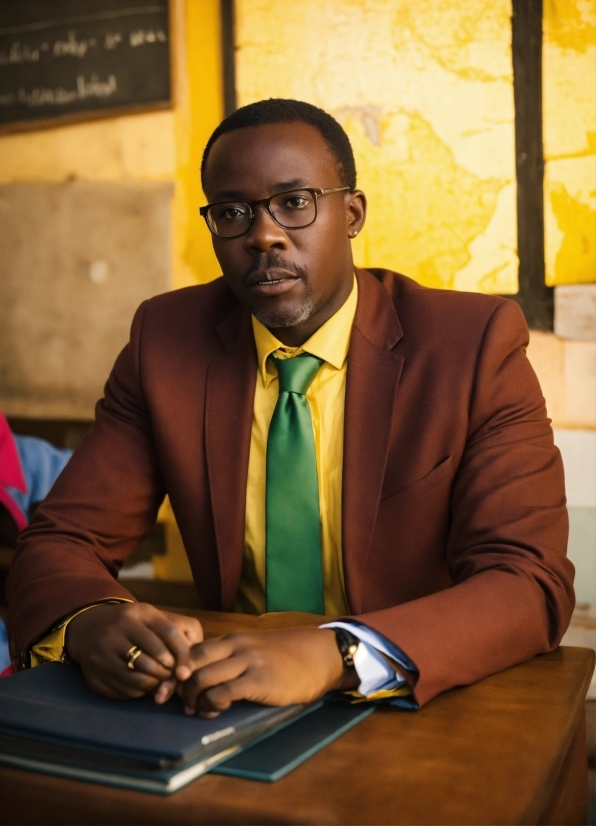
column 145, row 675
column 128, row 691
column 129, row 683
column 150, row 639
column 220, row 697
column 121, row 691
column 203, row 654
column 102, row 687
column 190, row 627
column 172, row 637
column 112, row 687
column 145, row 664
column 164, row 691
column 115, row 656
column 209, row 676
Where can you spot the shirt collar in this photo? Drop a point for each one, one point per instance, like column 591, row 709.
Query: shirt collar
column 330, row 342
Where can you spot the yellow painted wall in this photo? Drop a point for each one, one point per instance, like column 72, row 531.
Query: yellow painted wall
column 200, row 112
column 569, row 60
column 155, row 146
column 425, row 93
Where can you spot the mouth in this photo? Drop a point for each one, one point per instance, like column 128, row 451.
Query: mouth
column 271, row 282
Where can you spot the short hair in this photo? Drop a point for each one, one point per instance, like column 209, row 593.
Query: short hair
column 282, row 110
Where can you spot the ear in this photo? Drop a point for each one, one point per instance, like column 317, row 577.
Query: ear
column 355, row 211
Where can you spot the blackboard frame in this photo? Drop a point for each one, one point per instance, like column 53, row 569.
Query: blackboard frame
column 176, row 30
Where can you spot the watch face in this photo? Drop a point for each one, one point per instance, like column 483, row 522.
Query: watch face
column 348, row 645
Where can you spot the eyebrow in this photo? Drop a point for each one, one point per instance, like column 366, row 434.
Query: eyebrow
column 282, row 186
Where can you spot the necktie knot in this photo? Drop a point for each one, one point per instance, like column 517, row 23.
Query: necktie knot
column 296, row 374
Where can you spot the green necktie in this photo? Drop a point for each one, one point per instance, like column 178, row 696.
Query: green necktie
column 294, row 567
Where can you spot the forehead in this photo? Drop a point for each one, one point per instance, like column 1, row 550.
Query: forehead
column 255, row 160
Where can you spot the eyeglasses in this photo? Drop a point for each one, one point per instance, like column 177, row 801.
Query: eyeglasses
column 290, row 210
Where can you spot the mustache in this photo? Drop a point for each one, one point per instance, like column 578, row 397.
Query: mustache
column 273, row 260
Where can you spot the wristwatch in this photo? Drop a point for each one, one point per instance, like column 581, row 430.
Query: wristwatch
column 347, row 644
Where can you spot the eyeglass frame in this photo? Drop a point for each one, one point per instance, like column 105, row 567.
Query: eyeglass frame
column 266, row 202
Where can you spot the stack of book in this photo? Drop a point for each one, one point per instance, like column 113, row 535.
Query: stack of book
column 50, row 721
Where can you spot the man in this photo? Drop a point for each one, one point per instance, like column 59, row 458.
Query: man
column 346, row 444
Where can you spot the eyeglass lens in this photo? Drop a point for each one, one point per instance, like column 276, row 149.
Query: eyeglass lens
column 291, row 210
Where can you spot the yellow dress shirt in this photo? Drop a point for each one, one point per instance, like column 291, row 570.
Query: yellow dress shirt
column 326, row 396
column 52, row 649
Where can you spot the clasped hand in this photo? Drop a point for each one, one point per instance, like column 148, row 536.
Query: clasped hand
column 297, row 665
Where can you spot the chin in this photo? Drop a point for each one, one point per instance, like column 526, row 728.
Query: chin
column 285, row 316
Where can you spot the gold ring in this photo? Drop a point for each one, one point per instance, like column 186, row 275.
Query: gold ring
column 133, row 654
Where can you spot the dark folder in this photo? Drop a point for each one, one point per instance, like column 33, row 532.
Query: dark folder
column 274, row 756
column 50, row 721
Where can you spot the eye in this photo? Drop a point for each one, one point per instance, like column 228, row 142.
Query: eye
column 296, row 202
column 230, row 212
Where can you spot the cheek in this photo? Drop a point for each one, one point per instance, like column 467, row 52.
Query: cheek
column 326, row 251
column 323, row 239
column 231, row 257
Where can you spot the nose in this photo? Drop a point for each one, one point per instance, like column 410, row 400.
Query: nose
column 264, row 233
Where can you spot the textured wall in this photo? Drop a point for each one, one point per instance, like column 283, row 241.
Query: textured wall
column 76, row 260
column 44, row 283
column 425, row 93
column 155, row 146
column 570, row 140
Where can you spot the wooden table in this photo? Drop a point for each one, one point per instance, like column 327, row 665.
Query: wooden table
column 510, row 749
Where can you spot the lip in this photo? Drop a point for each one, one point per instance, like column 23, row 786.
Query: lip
column 269, row 283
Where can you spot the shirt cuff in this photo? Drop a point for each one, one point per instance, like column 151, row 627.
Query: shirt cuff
column 378, row 679
column 51, row 648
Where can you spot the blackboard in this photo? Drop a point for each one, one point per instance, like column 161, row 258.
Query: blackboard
column 72, row 59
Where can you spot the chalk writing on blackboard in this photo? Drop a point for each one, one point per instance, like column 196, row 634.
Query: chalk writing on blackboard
column 76, row 63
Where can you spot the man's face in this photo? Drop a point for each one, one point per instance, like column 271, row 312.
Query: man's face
column 292, row 280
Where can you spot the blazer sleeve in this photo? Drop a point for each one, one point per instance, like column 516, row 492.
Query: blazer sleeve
column 512, row 594
column 99, row 509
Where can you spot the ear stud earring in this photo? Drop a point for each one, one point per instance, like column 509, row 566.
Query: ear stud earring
column 355, row 233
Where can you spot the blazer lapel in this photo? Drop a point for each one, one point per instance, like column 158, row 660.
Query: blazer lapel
column 372, row 380
column 228, row 419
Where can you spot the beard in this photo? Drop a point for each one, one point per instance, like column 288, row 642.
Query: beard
column 290, row 316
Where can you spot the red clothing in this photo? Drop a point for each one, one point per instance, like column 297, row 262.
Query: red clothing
column 11, row 474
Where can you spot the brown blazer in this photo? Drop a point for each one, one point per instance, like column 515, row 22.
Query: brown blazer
column 454, row 520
